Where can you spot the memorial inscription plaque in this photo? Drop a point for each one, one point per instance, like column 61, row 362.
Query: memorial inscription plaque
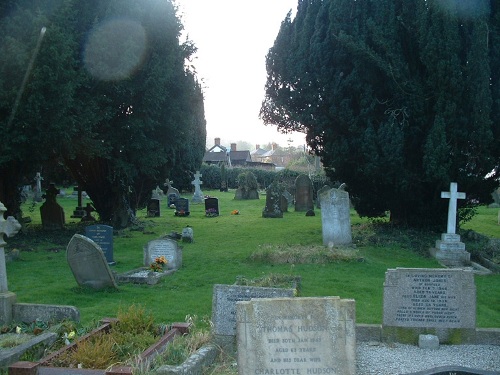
column 296, row 336
column 164, row 247
column 438, row 298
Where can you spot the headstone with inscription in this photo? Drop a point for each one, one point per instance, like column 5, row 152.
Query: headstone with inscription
column 296, row 336
column 88, row 263
column 153, row 207
column 211, row 206
column 336, row 217
column 450, row 251
column 163, row 247
column 224, row 303
column 182, row 207
column 303, row 194
column 419, row 300
column 103, row 236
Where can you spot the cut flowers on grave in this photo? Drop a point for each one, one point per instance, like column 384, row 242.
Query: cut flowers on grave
column 157, row 265
column 211, row 212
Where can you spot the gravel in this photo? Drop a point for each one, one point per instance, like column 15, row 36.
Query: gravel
column 398, row 359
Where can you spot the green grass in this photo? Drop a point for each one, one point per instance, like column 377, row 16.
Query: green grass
column 221, row 252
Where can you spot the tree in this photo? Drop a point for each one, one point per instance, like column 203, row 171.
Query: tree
column 109, row 96
column 394, row 96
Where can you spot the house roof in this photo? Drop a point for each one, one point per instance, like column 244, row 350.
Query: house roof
column 217, row 148
column 240, row 156
column 215, row 157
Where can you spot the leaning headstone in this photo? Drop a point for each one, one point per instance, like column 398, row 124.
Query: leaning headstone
column 8, row 227
column 211, row 206
column 88, row 263
column 336, row 218
column 224, row 304
column 163, row 247
column 429, row 300
column 103, row 236
column 51, row 212
column 273, row 208
column 182, row 207
column 450, row 251
column 198, row 194
column 303, row 194
column 296, row 336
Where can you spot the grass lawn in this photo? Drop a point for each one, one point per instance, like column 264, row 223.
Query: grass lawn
column 221, row 252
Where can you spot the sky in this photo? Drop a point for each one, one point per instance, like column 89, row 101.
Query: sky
column 233, row 38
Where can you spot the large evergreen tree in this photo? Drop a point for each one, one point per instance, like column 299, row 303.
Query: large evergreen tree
column 109, row 96
column 397, row 97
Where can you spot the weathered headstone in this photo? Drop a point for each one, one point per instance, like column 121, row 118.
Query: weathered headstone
column 273, row 208
column 153, row 208
column 8, row 227
column 88, row 263
column 417, row 300
column 211, row 206
column 303, row 194
column 450, row 251
column 51, row 212
column 172, row 193
column 198, row 194
column 163, row 247
column 182, row 207
column 187, row 234
column 289, row 198
column 336, row 218
column 296, row 336
column 283, row 203
column 103, row 236
column 157, row 193
column 224, row 300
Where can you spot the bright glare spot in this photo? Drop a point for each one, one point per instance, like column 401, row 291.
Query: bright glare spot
column 465, row 8
column 115, row 49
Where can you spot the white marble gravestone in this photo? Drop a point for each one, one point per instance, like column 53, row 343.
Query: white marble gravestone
column 449, row 250
column 198, row 194
column 296, row 336
column 163, row 247
column 88, row 263
column 336, row 217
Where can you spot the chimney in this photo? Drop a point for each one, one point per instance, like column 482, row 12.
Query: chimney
column 257, row 147
column 274, row 145
column 233, row 146
column 217, row 141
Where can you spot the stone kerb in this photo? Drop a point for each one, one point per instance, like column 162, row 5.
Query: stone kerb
column 296, row 336
column 436, row 301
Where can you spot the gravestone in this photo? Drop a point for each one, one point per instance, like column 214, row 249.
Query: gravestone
column 88, row 213
column 8, row 227
column 172, row 193
column 429, row 300
column 79, row 211
column 324, row 189
column 51, row 212
column 198, row 194
column 450, row 251
column 273, row 202
column 224, row 300
column 211, row 206
column 103, row 236
column 289, row 198
column 157, row 193
column 303, row 194
column 187, row 234
column 182, row 207
column 296, row 336
column 88, row 263
column 153, row 207
column 283, row 203
column 163, row 247
column 38, row 187
column 336, row 218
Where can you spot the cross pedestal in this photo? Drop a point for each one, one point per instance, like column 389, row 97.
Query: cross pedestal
column 9, row 228
column 449, row 251
column 198, row 195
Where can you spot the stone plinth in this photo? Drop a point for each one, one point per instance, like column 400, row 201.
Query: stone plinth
column 450, row 252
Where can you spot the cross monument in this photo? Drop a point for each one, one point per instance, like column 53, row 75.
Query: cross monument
column 9, row 228
column 198, row 195
column 453, row 195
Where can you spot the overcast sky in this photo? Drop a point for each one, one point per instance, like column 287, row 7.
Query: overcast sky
column 233, row 38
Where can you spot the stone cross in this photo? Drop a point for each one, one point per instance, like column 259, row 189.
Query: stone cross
column 452, row 195
column 38, row 190
column 198, row 195
column 168, row 183
column 9, row 228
